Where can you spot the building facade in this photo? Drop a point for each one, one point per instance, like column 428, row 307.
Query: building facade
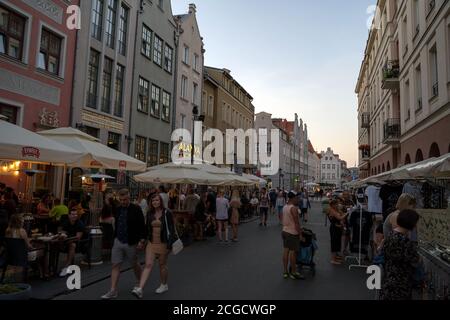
column 298, row 135
column 227, row 105
column 189, row 71
column 403, row 92
column 313, row 165
column 153, row 83
column 102, row 83
column 330, row 168
column 283, row 178
column 37, row 52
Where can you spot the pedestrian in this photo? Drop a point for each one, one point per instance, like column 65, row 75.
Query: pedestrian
column 273, row 199
column 200, row 216
column 222, row 205
column 405, row 201
column 129, row 236
column 142, row 202
column 281, row 202
column 164, row 196
column 336, row 218
column 235, row 205
column 304, row 205
column 160, row 235
column 254, row 203
column 401, row 258
column 291, row 235
column 264, row 206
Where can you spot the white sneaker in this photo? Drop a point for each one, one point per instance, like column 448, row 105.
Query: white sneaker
column 63, row 272
column 162, row 288
column 110, row 295
column 137, row 292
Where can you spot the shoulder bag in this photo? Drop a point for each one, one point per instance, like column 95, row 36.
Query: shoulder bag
column 177, row 245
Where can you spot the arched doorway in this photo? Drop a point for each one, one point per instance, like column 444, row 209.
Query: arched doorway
column 407, row 159
column 419, row 155
column 383, row 169
column 388, row 167
column 379, row 169
column 434, row 151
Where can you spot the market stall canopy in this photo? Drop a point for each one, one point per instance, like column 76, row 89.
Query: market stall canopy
column 17, row 143
column 178, row 174
column 95, row 154
column 434, row 167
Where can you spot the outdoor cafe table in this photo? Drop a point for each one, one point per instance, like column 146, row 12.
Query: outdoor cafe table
column 51, row 244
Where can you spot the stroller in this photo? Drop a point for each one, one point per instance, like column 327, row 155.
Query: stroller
column 305, row 257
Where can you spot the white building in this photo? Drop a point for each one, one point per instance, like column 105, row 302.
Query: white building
column 330, row 168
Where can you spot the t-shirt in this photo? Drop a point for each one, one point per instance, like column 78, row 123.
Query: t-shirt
column 254, row 201
column 389, row 195
column 72, row 229
column 357, row 215
column 58, row 211
column 222, row 205
column 264, row 201
column 375, row 204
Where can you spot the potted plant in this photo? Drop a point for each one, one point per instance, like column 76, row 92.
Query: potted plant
column 15, row 291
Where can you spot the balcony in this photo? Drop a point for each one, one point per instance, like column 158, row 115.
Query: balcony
column 365, row 120
column 391, row 73
column 392, row 131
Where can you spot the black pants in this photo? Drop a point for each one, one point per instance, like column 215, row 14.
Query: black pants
column 336, row 238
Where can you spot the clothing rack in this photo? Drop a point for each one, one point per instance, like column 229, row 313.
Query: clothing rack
column 358, row 259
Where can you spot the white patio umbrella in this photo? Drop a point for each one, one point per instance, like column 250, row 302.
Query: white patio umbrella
column 434, row 167
column 17, row 143
column 229, row 177
column 179, row 174
column 95, row 154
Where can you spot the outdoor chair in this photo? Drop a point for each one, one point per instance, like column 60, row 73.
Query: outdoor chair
column 84, row 247
column 16, row 254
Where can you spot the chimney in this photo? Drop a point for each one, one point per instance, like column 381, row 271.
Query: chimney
column 192, row 8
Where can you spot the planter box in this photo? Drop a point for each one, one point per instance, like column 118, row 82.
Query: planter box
column 23, row 294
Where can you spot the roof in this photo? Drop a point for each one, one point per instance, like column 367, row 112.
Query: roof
column 310, row 147
column 182, row 17
column 229, row 75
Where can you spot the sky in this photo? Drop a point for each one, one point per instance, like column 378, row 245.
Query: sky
column 292, row 56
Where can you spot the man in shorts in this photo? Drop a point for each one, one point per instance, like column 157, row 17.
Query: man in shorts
column 130, row 235
column 292, row 234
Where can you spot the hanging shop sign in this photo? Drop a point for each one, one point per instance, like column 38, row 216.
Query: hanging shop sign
column 185, row 150
column 101, row 121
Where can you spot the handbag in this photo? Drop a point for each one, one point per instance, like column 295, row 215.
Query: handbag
column 177, row 245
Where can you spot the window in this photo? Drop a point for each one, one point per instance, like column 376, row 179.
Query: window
column 333, row 176
column 323, row 166
column 156, row 91
column 196, row 60
column 183, row 87
column 165, row 106
column 93, row 79
column 326, row 158
column 118, row 103
column 164, row 153
column 183, row 121
column 12, row 28
column 211, row 106
column 328, row 176
column 168, row 58
column 407, row 101
column 186, row 55
column 157, row 52
column 194, row 93
column 146, row 41
column 111, row 23
column 334, row 167
column 123, row 26
column 405, row 35
column 328, row 166
column 94, row 132
column 434, row 72
column 10, row 112
column 143, row 95
column 418, row 88
column 152, row 159
column 97, row 19
column 140, row 147
column 106, row 91
column 161, row 3
column 114, row 140
column 416, row 24
column 50, row 52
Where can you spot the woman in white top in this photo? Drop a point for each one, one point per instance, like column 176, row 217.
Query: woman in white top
column 280, row 203
column 222, row 205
